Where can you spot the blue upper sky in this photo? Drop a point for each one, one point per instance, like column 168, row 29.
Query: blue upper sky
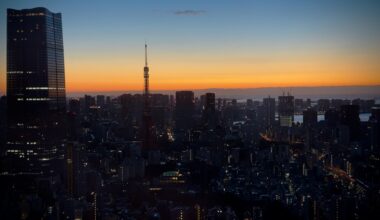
column 258, row 29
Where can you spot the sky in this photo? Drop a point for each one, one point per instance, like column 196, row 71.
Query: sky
column 198, row 44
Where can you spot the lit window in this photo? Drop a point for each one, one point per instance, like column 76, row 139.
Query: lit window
column 37, row 88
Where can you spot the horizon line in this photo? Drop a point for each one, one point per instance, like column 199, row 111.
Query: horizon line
column 234, row 88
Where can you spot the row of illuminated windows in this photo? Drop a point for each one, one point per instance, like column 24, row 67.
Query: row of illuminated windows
column 11, row 20
column 18, row 151
column 20, row 154
column 52, row 92
column 33, row 99
column 19, row 72
column 20, row 31
column 58, row 44
column 22, row 39
column 43, row 88
column 37, row 88
column 32, row 127
column 31, row 30
column 27, row 14
column 18, row 143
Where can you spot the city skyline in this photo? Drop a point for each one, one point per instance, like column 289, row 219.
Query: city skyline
column 197, row 45
column 170, row 149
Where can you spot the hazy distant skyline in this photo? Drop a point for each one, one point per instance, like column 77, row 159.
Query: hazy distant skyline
column 314, row 93
column 213, row 44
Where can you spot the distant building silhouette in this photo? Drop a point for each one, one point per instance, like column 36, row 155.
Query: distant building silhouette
column 332, row 117
column 310, row 118
column 375, row 129
column 286, row 110
column 184, row 109
column 349, row 118
column 35, row 87
column 100, row 100
column 208, row 111
column 268, row 112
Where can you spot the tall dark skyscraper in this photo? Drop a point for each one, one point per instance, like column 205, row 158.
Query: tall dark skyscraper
column 310, row 118
column 269, row 109
column 286, row 110
column 209, row 116
column 36, row 97
column 184, row 109
column 349, row 118
column 375, row 129
column 209, row 104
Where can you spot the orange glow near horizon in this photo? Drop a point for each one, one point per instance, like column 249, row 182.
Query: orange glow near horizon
column 166, row 74
column 169, row 72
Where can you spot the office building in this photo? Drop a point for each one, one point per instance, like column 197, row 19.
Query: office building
column 349, row 118
column 310, row 118
column 36, row 98
column 268, row 112
column 286, row 110
column 208, row 110
column 100, row 100
column 184, row 109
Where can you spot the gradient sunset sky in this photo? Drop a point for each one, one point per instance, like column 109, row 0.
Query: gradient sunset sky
column 196, row 44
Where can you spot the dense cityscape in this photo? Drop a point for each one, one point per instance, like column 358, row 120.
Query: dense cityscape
column 174, row 156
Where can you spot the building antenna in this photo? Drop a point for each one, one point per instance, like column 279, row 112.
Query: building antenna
column 146, row 54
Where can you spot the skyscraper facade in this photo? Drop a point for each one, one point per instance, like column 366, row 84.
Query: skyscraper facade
column 349, row 118
column 269, row 105
column 36, row 97
column 208, row 111
column 286, row 110
column 310, row 118
column 184, row 109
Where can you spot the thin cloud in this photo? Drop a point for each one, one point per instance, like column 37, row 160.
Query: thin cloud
column 189, row 12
